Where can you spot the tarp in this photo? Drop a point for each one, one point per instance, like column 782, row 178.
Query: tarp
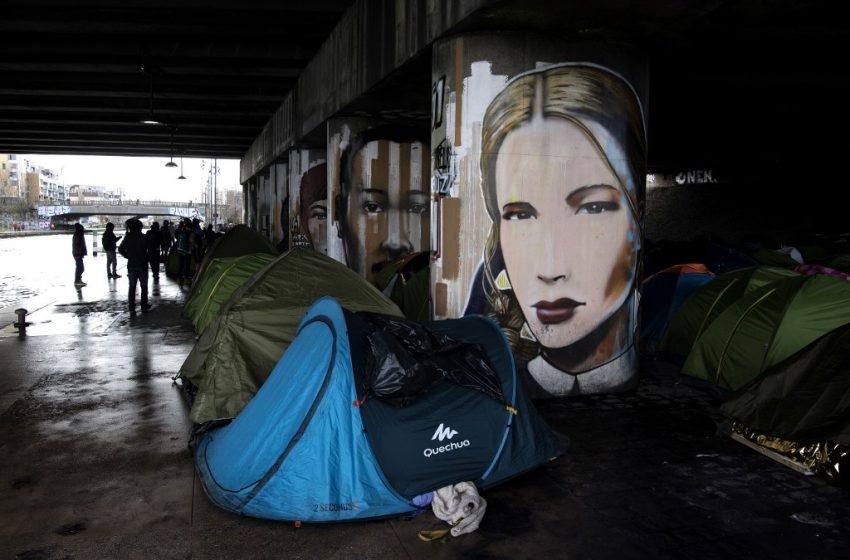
column 220, row 279
column 805, row 398
column 767, row 325
column 304, row 449
column 820, row 269
column 662, row 294
column 243, row 342
column 705, row 304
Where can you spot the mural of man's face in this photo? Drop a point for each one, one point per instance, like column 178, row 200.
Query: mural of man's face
column 388, row 204
column 317, row 225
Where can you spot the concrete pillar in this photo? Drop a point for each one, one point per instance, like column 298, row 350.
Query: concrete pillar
column 307, row 219
column 264, row 203
column 378, row 177
column 279, row 192
column 539, row 155
column 251, row 203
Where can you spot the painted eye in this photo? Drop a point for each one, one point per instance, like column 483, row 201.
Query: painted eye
column 598, row 207
column 519, row 211
column 319, row 214
column 372, row 207
column 417, row 208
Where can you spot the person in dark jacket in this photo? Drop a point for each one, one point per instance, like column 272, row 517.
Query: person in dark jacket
column 167, row 236
column 184, row 249
column 134, row 249
column 109, row 242
column 78, row 249
column 153, row 240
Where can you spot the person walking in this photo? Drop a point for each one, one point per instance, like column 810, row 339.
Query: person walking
column 134, row 249
column 167, row 238
column 153, row 240
column 183, row 247
column 79, row 250
column 109, row 242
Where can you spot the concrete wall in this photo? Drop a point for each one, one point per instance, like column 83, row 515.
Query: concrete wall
column 784, row 209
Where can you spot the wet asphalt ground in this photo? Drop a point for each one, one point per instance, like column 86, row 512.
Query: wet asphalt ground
column 94, row 464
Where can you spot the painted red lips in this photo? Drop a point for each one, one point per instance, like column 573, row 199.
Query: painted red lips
column 558, row 311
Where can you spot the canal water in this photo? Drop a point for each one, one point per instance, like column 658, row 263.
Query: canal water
column 41, row 268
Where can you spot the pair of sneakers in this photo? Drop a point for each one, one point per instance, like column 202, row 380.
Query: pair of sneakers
column 113, row 276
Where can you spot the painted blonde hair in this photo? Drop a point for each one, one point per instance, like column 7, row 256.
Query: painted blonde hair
column 601, row 104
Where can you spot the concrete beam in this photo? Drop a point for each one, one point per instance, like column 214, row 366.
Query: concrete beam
column 373, row 39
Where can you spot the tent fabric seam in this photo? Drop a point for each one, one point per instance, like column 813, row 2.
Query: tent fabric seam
column 492, row 466
column 325, row 320
column 738, row 323
column 214, row 288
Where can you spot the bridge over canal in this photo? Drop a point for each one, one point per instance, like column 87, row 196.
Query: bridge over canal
column 122, row 208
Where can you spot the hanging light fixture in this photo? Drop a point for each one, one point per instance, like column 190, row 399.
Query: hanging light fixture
column 171, row 159
column 181, row 169
column 150, row 119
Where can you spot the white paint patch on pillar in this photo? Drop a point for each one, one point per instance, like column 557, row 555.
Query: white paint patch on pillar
column 414, row 221
column 394, row 224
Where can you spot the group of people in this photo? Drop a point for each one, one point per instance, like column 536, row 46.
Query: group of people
column 142, row 251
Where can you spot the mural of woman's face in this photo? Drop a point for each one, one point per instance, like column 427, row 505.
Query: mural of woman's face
column 567, row 232
column 317, row 224
column 388, row 204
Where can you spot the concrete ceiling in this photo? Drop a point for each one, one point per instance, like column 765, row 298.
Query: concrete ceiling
column 741, row 83
column 76, row 77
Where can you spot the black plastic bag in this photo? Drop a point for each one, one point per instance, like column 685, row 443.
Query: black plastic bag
column 406, row 359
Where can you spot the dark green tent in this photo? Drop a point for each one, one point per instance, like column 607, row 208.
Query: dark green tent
column 767, row 325
column 407, row 282
column 709, row 301
column 252, row 329
column 238, row 241
column 805, row 398
column 768, row 257
column 221, row 278
column 841, row 263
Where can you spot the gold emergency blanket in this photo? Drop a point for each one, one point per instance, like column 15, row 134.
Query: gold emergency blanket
column 821, row 458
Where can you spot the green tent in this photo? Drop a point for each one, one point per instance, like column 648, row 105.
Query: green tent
column 221, row 278
column 407, row 282
column 841, row 262
column 767, row 325
column 172, row 264
column 238, row 241
column 805, row 398
column 244, row 341
column 709, row 301
column 769, row 257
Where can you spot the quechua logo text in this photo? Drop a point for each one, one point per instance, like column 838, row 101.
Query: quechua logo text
column 441, row 433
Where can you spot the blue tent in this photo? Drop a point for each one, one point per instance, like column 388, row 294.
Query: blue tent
column 308, row 447
column 662, row 294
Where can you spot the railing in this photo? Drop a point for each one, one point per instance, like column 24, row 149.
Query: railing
column 129, row 202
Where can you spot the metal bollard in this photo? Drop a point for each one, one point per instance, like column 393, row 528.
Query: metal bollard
column 21, row 324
